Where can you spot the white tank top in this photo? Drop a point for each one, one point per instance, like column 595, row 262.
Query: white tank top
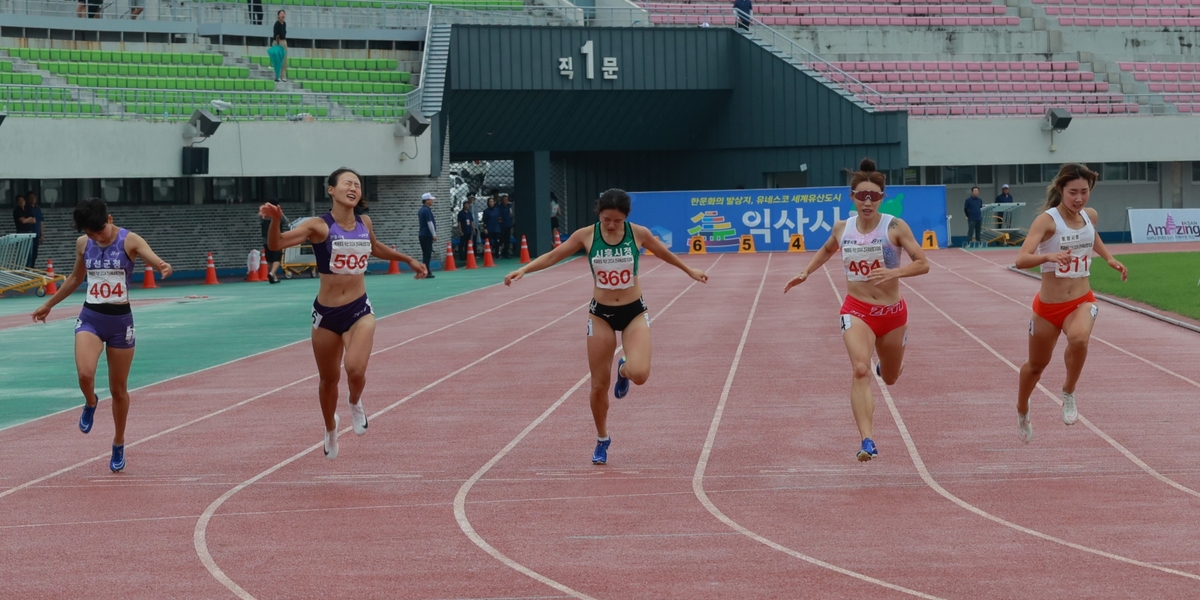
column 865, row 252
column 1078, row 241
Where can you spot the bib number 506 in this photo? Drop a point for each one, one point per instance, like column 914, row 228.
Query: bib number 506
column 349, row 261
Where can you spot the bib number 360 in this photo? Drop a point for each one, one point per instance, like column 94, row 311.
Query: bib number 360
column 614, row 278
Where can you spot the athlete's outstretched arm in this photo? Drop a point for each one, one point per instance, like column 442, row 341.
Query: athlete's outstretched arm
column 77, row 276
column 1102, row 250
column 1039, row 231
column 137, row 247
column 903, row 236
column 827, row 250
column 378, row 250
column 661, row 250
column 277, row 241
column 572, row 245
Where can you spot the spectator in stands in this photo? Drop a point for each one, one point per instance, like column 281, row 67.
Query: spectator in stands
column 135, row 9
column 256, row 12
column 427, row 234
column 281, row 40
column 22, row 217
column 35, row 212
column 505, row 214
column 553, row 215
column 491, row 219
column 742, row 9
column 466, row 227
column 274, row 257
column 973, row 207
column 1005, row 196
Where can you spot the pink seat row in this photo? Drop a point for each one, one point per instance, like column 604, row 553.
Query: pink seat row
column 1122, row 22
column 1167, row 77
column 1160, row 67
column 897, row 99
column 880, row 9
column 970, row 77
column 758, row 3
column 988, row 88
column 1015, row 66
column 1184, row 98
column 1193, row 108
column 892, row 21
column 1020, row 109
column 1171, row 3
column 1099, row 11
column 1174, row 88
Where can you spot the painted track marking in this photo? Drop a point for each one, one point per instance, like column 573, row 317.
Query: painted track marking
column 702, row 465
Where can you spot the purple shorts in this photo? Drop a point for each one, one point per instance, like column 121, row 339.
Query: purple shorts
column 339, row 319
column 116, row 331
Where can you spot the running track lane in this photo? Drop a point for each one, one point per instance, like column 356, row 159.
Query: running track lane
column 390, row 508
column 145, row 516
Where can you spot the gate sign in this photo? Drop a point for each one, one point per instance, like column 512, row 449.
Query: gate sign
column 1156, row 225
column 774, row 216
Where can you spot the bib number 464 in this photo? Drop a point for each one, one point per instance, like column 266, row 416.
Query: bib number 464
column 862, row 268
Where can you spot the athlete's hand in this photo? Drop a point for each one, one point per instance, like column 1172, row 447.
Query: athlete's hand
column 1117, row 266
column 270, row 211
column 795, row 281
column 698, row 275
column 515, row 275
column 419, row 270
column 1062, row 259
column 41, row 313
column 165, row 269
column 879, row 276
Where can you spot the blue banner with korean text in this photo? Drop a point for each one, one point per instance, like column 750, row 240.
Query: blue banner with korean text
column 773, row 215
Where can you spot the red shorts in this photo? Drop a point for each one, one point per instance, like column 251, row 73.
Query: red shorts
column 1057, row 313
column 881, row 319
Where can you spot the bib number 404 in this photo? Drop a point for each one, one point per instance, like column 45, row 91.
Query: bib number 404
column 614, row 277
column 104, row 290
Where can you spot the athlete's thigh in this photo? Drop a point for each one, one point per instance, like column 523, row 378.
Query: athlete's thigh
column 601, row 343
column 859, row 339
column 327, row 350
column 890, row 346
column 87, row 352
column 1043, row 337
column 358, row 341
column 119, row 362
column 1079, row 324
column 636, row 340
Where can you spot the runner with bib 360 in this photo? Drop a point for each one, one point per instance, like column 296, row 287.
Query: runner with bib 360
column 1061, row 241
column 874, row 316
column 104, row 261
column 613, row 246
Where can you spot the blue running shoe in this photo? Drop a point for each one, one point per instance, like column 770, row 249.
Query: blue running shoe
column 86, row 418
column 118, row 459
column 868, row 451
column 622, row 386
column 600, row 456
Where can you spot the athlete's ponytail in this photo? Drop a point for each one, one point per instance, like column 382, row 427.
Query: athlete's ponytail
column 866, row 172
column 1066, row 174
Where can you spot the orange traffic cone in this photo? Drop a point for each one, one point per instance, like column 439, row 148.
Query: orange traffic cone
column 263, row 269
column 487, row 254
column 393, row 266
column 557, row 242
column 210, row 272
column 524, row 250
column 471, row 255
column 51, row 287
column 148, row 279
column 449, row 259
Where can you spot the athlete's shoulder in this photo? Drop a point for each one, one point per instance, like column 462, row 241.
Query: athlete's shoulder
column 366, row 220
column 1091, row 213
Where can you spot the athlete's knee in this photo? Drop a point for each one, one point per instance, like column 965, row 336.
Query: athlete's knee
column 356, row 372
column 1034, row 368
column 1078, row 340
column 330, row 381
column 87, row 379
column 862, row 369
column 892, row 379
column 637, row 374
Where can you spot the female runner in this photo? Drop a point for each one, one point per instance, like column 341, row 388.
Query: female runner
column 104, row 256
column 873, row 315
column 1061, row 241
column 613, row 246
column 343, row 322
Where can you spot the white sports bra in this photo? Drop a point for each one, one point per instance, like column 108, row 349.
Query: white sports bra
column 1078, row 241
column 865, row 252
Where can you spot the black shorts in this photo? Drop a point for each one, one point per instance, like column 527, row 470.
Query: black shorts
column 273, row 256
column 618, row 317
column 553, row 222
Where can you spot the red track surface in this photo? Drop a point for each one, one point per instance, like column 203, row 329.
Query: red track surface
column 1067, row 515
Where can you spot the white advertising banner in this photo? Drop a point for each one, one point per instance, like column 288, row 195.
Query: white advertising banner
column 1156, row 225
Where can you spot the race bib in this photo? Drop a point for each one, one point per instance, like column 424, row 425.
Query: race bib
column 106, row 286
column 1080, row 265
column 861, row 259
column 613, row 272
column 349, row 257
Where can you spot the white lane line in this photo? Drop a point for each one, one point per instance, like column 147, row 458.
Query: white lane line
column 702, row 465
column 249, row 356
column 1054, row 397
column 268, row 393
column 460, row 499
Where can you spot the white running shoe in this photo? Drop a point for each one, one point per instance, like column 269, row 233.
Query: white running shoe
column 1070, row 413
column 1024, row 427
column 359, row 415
column 331, row 446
